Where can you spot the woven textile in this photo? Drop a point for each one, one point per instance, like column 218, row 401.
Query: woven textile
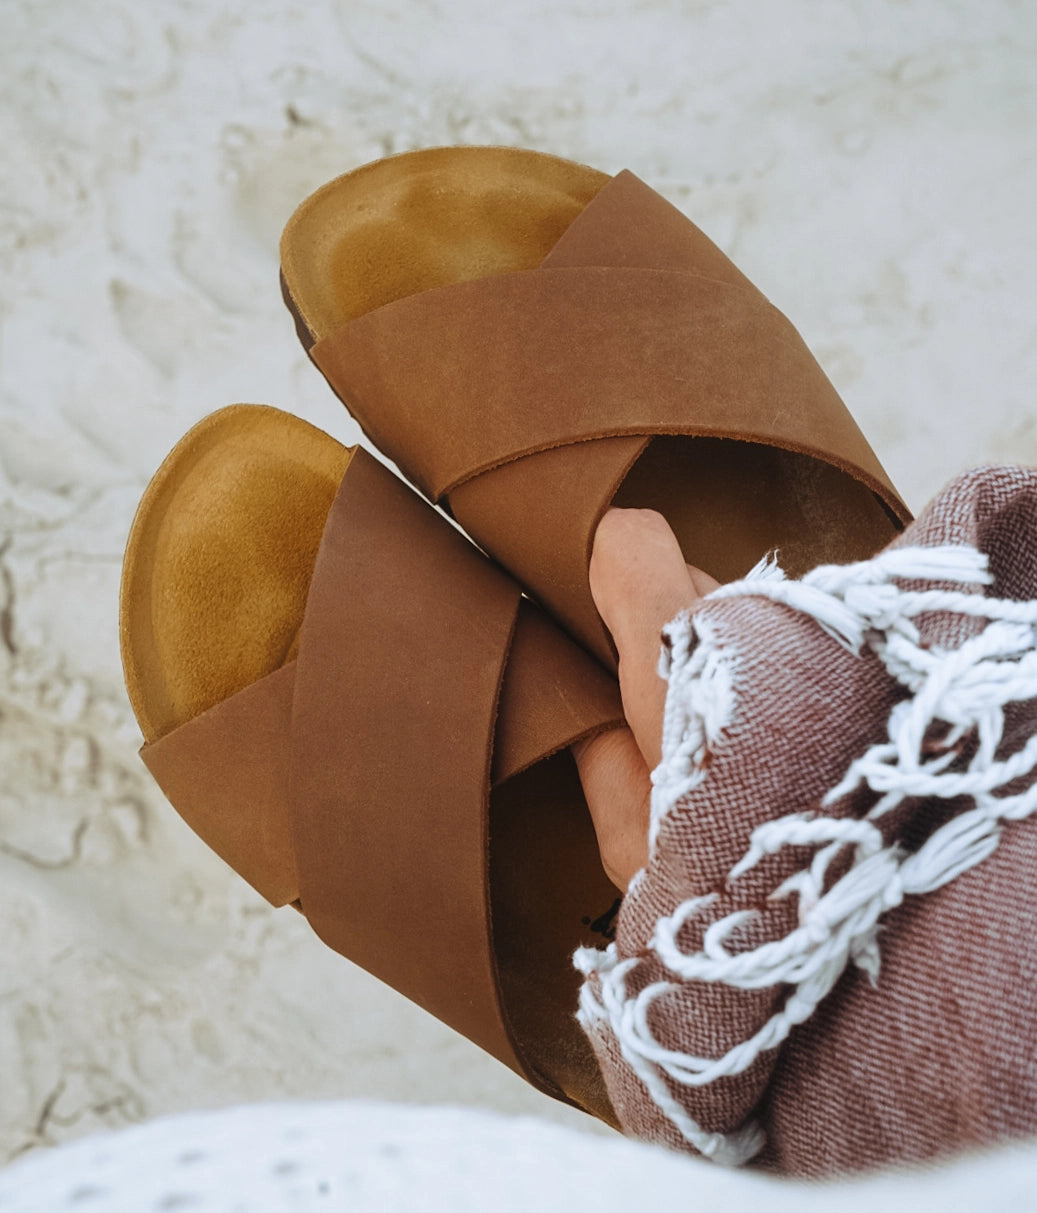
column 870, row 993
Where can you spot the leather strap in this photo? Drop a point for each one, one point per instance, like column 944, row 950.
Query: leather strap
column 507, row 366
column 396, row 692
column 552, row 696
column 627, row 224
column 226, row 773
column 523, row 362
column 402, row 659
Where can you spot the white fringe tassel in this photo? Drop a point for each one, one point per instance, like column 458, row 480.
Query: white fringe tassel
column 967, row 689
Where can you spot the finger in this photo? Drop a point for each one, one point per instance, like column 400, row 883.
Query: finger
column 618, row 791
column 703, row 583
column 640, row 581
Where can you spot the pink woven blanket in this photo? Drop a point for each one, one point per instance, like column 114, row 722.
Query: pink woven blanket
column 830, row 960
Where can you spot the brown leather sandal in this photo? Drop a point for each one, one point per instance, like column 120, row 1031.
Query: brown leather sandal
column 360, row 713
column 531, row 340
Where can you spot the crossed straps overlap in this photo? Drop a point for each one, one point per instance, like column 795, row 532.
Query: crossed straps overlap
column 522, row 400
column 355, row 780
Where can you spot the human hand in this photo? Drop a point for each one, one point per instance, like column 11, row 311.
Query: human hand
column 640, row 582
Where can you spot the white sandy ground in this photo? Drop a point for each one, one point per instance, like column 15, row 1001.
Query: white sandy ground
column 871, row 164
column 384, row 1158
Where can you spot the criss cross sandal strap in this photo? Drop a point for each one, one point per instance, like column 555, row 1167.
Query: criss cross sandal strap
column 413, row 791
column 524, row 401
column 226, row 773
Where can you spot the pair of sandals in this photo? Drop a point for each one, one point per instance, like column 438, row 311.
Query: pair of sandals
column 357, row 709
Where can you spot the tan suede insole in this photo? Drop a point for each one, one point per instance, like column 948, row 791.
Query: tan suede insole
column 214, row 587
column 219, row 560
column 425, row 219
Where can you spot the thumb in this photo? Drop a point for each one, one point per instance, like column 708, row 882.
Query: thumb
column 640, row 582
